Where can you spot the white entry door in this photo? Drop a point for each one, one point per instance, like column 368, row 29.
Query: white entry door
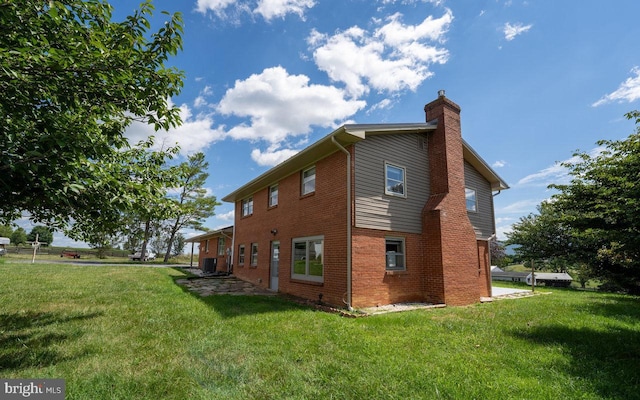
column 275, row 262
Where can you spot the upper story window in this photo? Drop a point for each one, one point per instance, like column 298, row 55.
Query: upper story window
column 206, row 246
column 394, row 251
column 273, row 195
column 247, row 206
column 395, row 180
column 220, row 246
column 309, row 180
column 472, row 199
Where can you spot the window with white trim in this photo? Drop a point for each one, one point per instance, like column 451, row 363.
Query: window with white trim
column 273, row 195
column 247, row 206
column 395, row 180
column 308, row 180
column 241, row 254
column 471, row 199
column 308, row 258
column 394, row 253
column 221, row 246
column 254, row 254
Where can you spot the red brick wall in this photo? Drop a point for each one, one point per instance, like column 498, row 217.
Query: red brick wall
column 213, row 253
column 320, row 213
column 452, row 251
column 372, row 284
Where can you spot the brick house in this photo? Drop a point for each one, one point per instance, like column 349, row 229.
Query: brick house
column 214, row 253
column 373, row 214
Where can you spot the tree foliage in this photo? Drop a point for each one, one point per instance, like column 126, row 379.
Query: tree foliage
column 594, row 221
column 71, row 81
column 42, row 233
column 19, row 236
column 192, row 204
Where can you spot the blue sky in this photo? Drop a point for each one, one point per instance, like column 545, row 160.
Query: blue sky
column 536, row 80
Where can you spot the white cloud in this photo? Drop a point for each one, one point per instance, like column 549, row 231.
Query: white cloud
column 217, row 6
column 557, row 173
column 272, row 156
column 511, row 31
column 195, row 134
column 381, row 105
column 628, row 91
column 499, row 164
column 270, row 9
column 394, row 57
column 228, row 216
column 279, row 105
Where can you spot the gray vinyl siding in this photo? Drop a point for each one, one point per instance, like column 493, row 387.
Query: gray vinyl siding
column 373, row 208
column 483, row 219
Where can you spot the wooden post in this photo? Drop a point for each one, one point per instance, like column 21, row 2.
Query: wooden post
column 36, row 244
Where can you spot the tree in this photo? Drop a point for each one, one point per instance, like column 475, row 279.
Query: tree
column 44, row 235
column 19, row 236
column 541, row 236
column 601, row 205
column 71, row 81
column 6, row 231
column 133, row 184
column 178, row 245
column 497, row 252
column 193, row 205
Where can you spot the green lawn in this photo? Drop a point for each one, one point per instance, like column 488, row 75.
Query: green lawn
column 122, row 332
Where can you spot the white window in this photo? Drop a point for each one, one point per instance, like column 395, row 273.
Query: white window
column 273, row 196
column 307, row 260
column 220, row 246
column 206, row 246
column 247, row 206
column 309, row 180
column 254, row 254
column 472, row 200
column 394, row 252
column 241, row 254
column 395, row 180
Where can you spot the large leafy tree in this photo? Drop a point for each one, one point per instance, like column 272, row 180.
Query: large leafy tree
column 594, row 221
column 71, row 81
column 192, row 203
column 602, row 207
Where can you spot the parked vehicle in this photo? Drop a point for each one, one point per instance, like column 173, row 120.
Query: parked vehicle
column 137, row 256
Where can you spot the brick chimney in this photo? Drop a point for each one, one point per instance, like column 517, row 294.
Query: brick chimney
column 452, row 267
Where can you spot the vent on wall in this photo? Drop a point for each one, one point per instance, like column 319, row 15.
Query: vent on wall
column 422, row 143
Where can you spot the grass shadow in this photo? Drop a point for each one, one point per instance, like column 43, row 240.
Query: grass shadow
column 620, row 307
column 32, row 339
column 608, row 360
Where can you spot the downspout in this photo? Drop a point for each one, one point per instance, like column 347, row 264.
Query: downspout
column 345, row 151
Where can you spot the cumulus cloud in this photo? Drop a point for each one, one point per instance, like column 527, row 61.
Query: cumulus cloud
column 513, row 30
column 628, row 91
column 195, row 134
column 279, row 105
column 392, row 58
column 268, row 9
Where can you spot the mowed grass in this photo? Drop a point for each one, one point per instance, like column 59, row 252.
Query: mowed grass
column 118, row 332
